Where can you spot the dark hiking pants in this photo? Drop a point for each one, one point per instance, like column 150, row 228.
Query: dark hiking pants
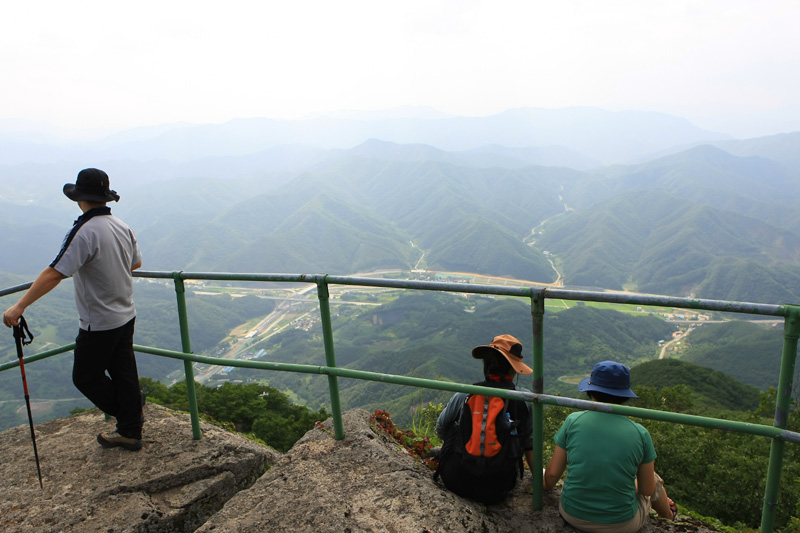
column 105, row 372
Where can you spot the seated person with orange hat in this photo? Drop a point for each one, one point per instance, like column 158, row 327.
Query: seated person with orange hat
column 485, row 437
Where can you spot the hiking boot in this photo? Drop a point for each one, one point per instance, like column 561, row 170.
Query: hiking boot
column 112, row 439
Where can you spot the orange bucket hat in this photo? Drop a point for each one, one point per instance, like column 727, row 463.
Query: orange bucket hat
column 509, row 347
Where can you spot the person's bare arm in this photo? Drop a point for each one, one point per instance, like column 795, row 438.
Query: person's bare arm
column 646, row 485
column 44, row 283
column 646, row 479
column 529, row 459
column 137, row 265
column 555, row 468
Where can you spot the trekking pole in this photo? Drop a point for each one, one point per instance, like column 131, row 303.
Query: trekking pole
column 20, row 332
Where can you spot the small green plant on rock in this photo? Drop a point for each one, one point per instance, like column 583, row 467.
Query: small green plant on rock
column 423, row 423
column 418, row 447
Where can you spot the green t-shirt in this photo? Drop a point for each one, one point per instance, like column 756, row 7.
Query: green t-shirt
column 604, row 452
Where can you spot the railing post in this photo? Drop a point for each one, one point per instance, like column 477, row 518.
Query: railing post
column 186, row 347
column 791, row 331
column 537, row 409
column 330, row 358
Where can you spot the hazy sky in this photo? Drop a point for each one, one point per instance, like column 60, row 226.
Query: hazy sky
column 729, row 65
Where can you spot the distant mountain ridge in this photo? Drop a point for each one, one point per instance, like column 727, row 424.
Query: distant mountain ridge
column 704, row 174
column 781, row 147
column 700, row 222
column 607, row 136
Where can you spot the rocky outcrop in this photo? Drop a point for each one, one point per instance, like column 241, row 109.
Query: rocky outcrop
column 366, row 483
column 363, row 483
column 174, row 483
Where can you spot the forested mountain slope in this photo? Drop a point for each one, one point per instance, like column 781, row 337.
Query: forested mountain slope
column 709, row 388
column 358, row 214
column 745, row 351
column 665, row 245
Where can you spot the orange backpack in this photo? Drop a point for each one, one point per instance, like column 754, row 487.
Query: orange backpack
column 482, row 451
column 484, row 410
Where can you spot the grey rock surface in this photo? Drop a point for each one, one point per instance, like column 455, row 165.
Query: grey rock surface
column 367, row 483
column 363, row 483
column 173, row 484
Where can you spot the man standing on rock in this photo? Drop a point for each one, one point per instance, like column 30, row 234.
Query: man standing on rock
column 100, row 252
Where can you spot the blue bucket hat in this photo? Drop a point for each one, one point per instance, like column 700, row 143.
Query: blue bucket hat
column 611, row 378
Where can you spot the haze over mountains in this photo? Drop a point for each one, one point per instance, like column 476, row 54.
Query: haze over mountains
column 643, row 201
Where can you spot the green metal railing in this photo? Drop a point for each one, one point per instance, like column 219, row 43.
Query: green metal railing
column 537, row 296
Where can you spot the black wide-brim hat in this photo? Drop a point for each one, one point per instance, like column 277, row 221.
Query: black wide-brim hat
column 91, row 186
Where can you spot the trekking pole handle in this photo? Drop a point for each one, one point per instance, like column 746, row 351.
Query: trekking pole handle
column 21, row 332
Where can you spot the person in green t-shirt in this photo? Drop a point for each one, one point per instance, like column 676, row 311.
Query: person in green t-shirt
column 611, row 482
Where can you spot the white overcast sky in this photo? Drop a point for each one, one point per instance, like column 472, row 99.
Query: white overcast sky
column 729, row 65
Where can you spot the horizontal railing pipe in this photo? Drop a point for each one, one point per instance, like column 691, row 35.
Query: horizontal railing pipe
column 17, row 288
column 39, row 356
column 668, row 301
column 499, row 290
column 677, row 418
column 639, row 412
column 439, row 286
column 226, row 276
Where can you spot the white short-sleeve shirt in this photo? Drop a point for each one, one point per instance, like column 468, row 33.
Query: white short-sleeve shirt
column 99, row 253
